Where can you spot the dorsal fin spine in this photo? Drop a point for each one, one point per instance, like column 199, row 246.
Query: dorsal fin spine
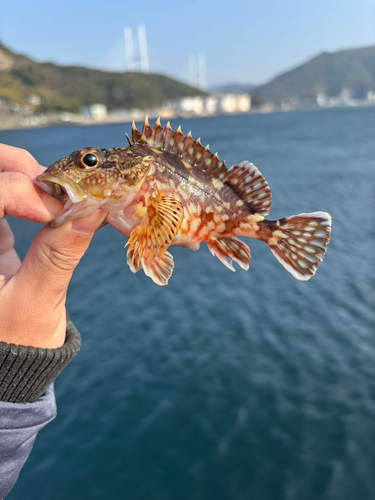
column 146, row 132
column 157, row 135
column 249, row 185
column 184, row 146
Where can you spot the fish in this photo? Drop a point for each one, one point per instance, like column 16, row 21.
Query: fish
column 165, row 189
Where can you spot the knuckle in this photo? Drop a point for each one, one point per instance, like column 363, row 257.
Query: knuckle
column 25, row 155
column 63, row 260
column 15, row 181
column 11, row 177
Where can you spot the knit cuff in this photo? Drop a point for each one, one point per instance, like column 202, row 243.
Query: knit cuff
column 26, row 372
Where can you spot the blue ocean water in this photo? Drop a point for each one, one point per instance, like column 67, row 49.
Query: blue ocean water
column 246, row 385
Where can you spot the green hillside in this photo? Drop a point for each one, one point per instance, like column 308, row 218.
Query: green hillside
column 328, row 74
column 66, row 88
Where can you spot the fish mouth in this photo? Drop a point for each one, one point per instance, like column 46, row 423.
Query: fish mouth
column 61, row 187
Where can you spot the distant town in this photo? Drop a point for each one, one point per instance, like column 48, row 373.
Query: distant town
column 14, row 116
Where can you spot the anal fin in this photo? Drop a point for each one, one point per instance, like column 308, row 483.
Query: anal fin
column 228, row 250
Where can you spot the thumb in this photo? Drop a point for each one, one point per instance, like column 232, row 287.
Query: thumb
column 52, row 257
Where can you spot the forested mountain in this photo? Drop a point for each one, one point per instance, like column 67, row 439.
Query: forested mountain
column 329, row 74
column 69, row 88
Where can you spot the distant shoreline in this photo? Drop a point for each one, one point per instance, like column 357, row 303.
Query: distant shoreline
column 60, row 120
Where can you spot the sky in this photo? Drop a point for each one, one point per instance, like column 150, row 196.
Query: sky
column 244, row 41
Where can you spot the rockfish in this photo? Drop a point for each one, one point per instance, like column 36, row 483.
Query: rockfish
column 165, row 189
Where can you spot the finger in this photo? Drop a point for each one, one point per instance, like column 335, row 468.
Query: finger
column 37, row 291
column 19, row 197
column 6, row 237
column 52, row 257
column 9, row 260
column 18, row 160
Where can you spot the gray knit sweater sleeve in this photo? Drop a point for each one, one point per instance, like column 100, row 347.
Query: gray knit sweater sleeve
column 26, row 372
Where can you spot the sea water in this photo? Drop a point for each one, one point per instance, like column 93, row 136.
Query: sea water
column 244, row 386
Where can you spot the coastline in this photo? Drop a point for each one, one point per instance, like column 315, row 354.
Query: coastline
column 21, row 122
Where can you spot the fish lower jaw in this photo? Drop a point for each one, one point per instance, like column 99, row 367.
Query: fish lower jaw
column 72, row 211
column 61, row 188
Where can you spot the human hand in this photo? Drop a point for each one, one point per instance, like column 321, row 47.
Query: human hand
column 33, row 293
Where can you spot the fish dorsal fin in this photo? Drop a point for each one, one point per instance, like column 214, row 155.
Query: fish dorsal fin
column 185, row 147
column 244, row 179
column 249, row 185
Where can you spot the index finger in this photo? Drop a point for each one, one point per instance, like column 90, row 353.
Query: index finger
column 19, row 197
column 19, row 160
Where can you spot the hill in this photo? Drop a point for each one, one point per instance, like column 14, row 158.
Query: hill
column 233, row 88
column 328, row 74
column 69, row 88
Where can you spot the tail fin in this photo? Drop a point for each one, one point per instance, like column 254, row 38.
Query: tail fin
column 299, row 242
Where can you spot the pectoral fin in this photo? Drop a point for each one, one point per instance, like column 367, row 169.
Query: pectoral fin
column 134, row 266
column 157, row 231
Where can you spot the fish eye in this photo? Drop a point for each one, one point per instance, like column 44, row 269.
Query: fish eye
column 90, row 160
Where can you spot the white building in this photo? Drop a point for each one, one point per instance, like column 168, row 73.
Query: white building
column 210, row 105
column 243, row 103
column 371, row 97
column 192, row 105
column 95, row 111
column 234, row 103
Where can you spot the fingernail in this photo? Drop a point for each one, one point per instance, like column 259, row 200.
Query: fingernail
column 88, row 225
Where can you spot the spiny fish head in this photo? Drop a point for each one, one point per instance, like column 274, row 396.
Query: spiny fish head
column 98, row 173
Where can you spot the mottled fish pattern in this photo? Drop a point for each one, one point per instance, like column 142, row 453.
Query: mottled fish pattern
column 165, row 189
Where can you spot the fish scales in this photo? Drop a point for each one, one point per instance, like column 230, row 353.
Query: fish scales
column 209, row 205
column 165, row 189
